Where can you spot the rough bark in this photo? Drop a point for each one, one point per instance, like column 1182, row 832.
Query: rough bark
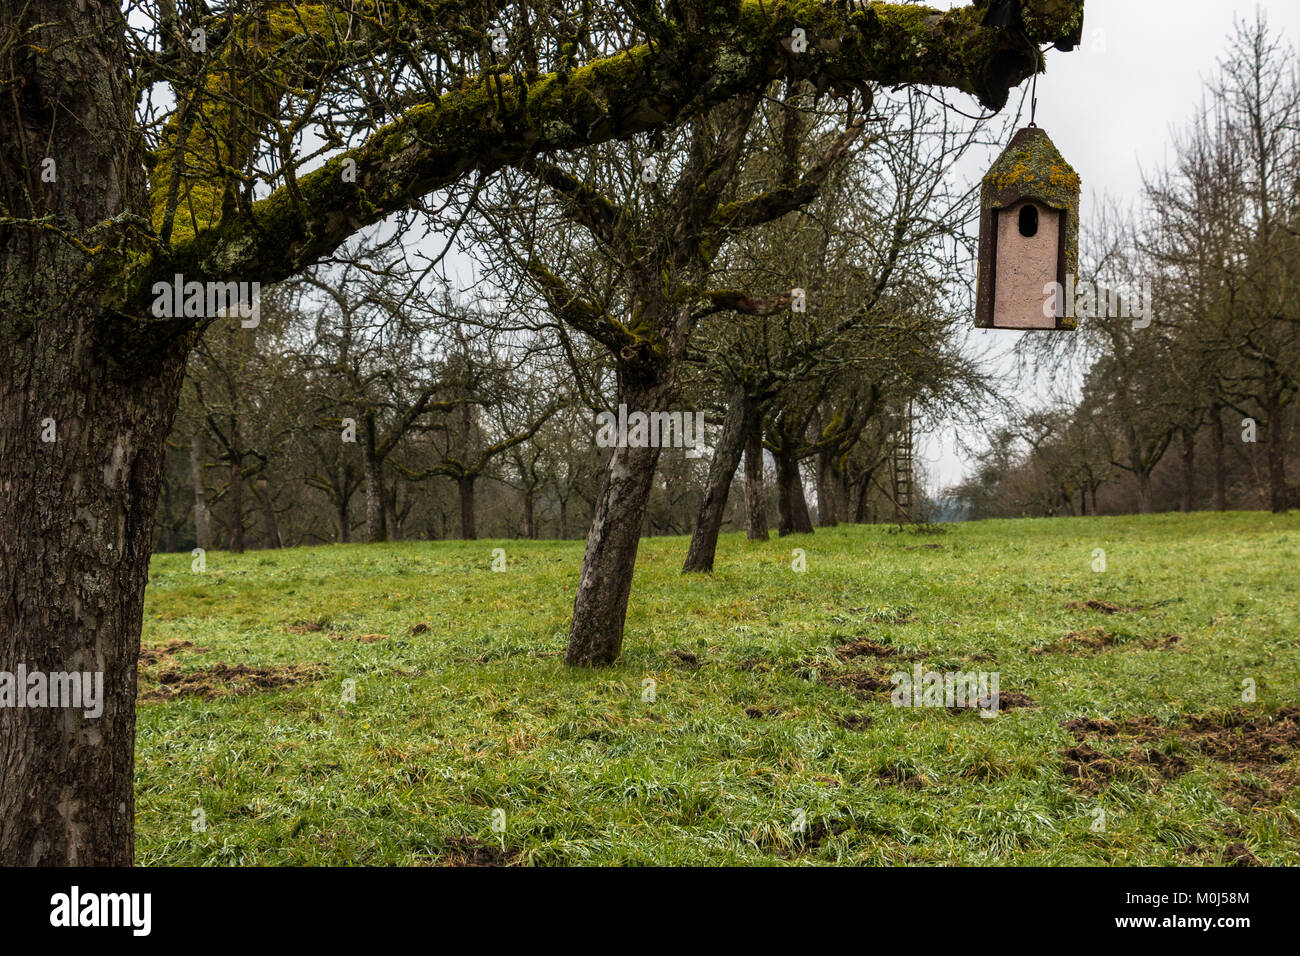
column 722, row 469
column 77, row 514
column 600, row 606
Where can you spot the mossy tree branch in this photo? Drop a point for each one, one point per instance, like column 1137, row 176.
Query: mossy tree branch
column 497, row 121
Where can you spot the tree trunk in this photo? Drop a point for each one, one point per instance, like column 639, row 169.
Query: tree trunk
column 530, row 509
column 842, row 496
column 374, row 482
column 1220, row 465
column 755, row 507
column 1277, row 496
column 826, row 508
column 860, row 492
column 392, row 525
column 76, row 514
column 792, row 505
column 787, row 478
column 1141, row 473
column 235, row 497
column 1189, row 470
column 564, row 519
column 465, row 484
column 722, row 469
column 1143, row 479
column 169, row 523
column 270, row 528
column 341, row 503
column 600, row 605
column 202, row 534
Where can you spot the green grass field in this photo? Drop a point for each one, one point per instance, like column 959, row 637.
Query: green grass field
column 463, row 705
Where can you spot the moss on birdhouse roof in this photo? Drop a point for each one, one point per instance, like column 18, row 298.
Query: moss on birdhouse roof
column 1031, row 167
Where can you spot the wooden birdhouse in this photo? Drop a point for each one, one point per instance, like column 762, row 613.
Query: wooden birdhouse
column 1029, row 236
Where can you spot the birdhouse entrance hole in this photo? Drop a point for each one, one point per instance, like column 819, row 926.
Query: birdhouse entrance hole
column 1028, row 220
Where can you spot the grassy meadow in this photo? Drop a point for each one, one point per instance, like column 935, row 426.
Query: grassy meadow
column 768, row 740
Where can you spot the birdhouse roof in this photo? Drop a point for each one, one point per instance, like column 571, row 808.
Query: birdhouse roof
column 1031, row 167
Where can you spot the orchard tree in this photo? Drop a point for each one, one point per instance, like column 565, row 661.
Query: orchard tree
column 241, row 143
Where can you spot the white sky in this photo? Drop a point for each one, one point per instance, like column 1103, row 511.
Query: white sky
column 1111, row 106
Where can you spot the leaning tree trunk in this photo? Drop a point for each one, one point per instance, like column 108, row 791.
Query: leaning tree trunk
column 726, row 459
column 755, row 507
column 77, row 513
column 600, row 606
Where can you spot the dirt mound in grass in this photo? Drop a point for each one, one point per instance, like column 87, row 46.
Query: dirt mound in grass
column 1101, row 607
column 862, row 683
column 1250, row 743
column 1007, row 700
column 896, row 777
column 222, row 680
column 818, row 832
column 359, row 638
column 1094, row 640
column 875, row 684
column 1236, row 854
column 158, row 655
column 1091, row 769
column 863, row 648
column 1084, row 727
column 468, row 851
column 854, row 721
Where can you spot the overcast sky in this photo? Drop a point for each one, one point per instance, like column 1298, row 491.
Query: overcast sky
column 1111, row 106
